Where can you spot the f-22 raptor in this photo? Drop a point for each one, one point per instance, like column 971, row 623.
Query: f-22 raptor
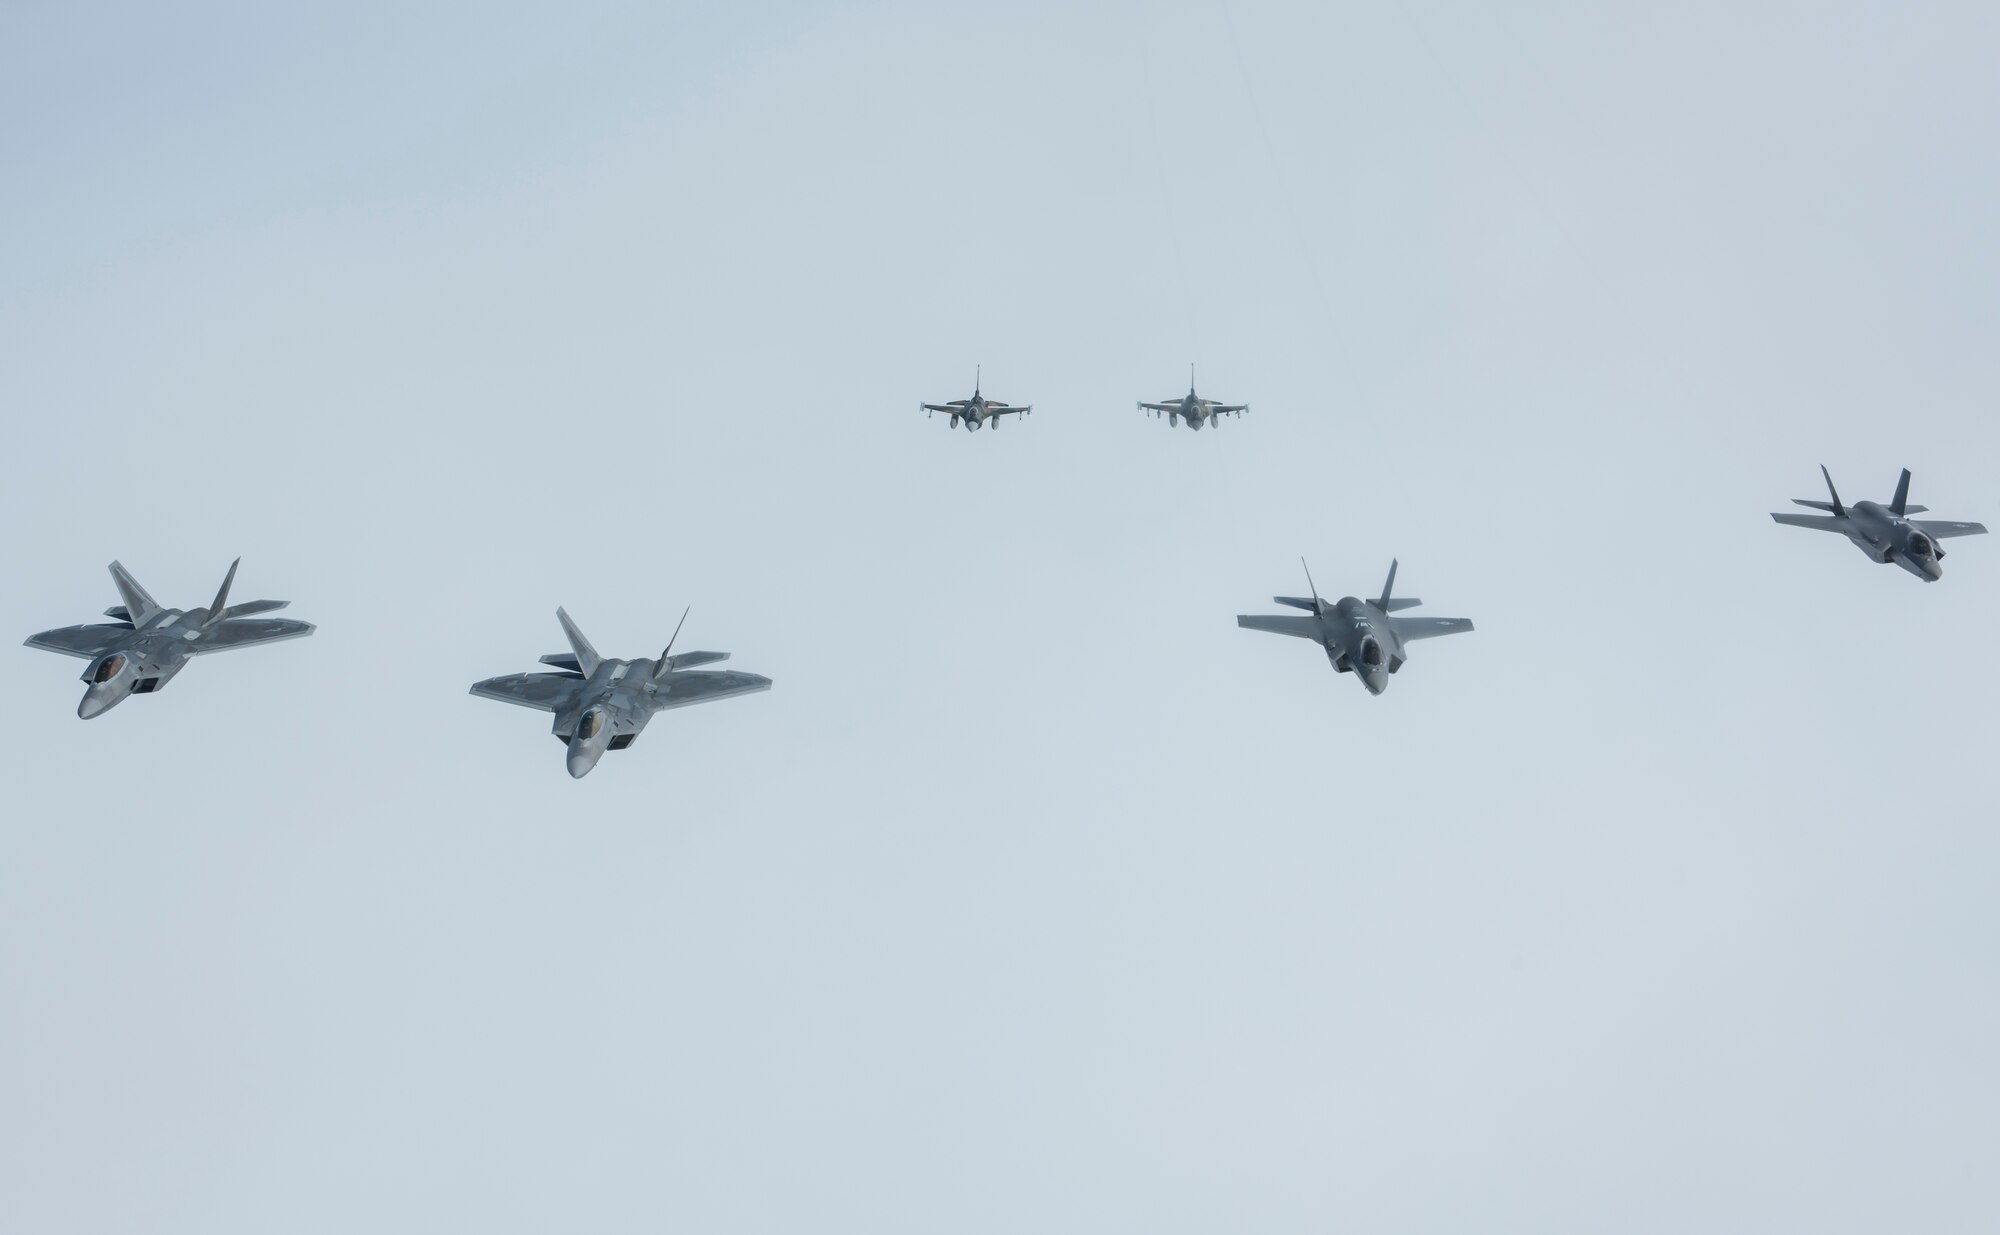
column 977, row 410
column 1358, row 636
column 1194, row 409
column 1885, row 533
column 144, row 646
column 602, row 703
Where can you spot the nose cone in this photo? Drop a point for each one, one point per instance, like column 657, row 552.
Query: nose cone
column 583, row 756
column 96, row 702
column 1375, row 680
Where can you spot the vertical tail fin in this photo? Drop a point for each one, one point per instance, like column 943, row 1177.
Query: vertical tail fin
column 587, row 658
column 975, row 381
column 1190, row 377
column 1388, row 586
column 219, row 609
column 1838, row 509
column 666, row 661
column 139, row 607
column 1318, row 605
column 1902, row 498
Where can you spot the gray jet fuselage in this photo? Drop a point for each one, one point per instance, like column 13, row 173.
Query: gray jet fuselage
column 1194, row 409
column 1885, row 533
column 1889, row 537
column 615, row 702
column 1360, row 639
column 148, row 645
column 143, row 661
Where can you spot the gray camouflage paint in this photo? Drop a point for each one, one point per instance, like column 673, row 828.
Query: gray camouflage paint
column 602, row 703
column 145, row 646
column 1359, row 636
column 1194, row 409
column 977, row 410
column 1885, row 533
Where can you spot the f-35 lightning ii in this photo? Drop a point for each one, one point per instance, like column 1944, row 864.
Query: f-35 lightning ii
column 1885, row 533
column 977, row 410
column 602, row 703
column 1359, row 636
column 142, row 649
column 1194, row 409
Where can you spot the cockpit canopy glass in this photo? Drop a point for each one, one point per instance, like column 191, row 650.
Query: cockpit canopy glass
column 1371, row 653
column 107, row 669
column 1920, row 545
column 591, row 724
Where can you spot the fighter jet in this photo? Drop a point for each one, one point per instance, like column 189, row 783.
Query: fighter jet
column 977, row 410
column 1195, row 410
column 142, row 649
column 1886, row 534
column 601, row 703
column 1359, row 636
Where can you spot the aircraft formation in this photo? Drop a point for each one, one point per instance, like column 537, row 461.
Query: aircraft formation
column 602, row 703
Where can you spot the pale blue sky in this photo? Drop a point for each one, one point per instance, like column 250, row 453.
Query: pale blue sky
column 1035, row 896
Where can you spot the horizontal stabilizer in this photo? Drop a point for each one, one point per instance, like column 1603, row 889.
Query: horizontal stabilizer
column 250, row 608
column 1806, row 501
column 563, row 660
column 1298, row 602
column 1401, row 602
column 1824, row 523
column 118, row 611
column 688, row 660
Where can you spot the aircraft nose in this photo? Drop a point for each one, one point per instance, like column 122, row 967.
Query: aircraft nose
column 582, row 757
column 94, row 704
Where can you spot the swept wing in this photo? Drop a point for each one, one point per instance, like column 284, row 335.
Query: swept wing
column 233, row 633
column 702, row 685
column 1945, row 529
column 86, row 642
column 1411, row 628
column 547, row 692
column 1282, row 624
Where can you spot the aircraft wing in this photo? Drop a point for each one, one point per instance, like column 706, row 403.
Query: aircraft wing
column 548, row 692
column 993, row 410
column 702, row 685
column 955, row 410
column 86, row 642
column 1945, row 529
column 233, row 633
column 1824, row 523
column 1159, row 407
column 1283, row 624
column 1429, row 627
column 1229, row 409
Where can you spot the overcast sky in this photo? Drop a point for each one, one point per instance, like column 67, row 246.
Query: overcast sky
column 1035, row 896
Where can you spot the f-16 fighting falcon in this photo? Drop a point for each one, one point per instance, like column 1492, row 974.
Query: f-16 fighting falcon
column 601, row 703
column 1359, row 636
column 1195, row 410
column 977, row 410
column 144, row 646
column 1885, row 533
